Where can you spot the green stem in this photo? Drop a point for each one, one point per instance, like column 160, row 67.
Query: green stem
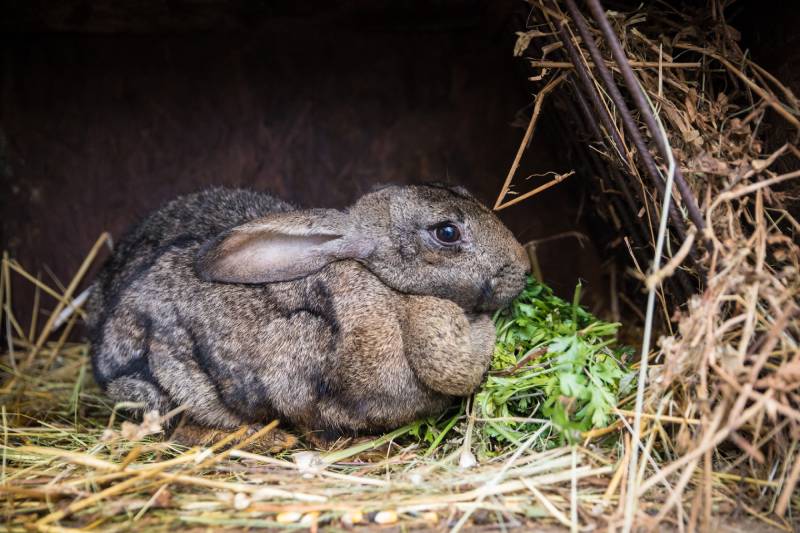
column 341, row 455
column 444, row 432
column 576, row 298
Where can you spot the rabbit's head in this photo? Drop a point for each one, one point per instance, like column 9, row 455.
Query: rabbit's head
column 419, row 239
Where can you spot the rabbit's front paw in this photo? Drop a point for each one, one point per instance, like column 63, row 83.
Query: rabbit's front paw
column 448, row 350
column 482, row 335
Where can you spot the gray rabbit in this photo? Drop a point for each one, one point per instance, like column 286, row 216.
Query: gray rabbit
column 339, row 322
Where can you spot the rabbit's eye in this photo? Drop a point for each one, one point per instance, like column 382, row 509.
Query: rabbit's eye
column 447, row 233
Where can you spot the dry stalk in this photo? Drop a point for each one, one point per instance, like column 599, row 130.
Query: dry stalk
column 526, row 139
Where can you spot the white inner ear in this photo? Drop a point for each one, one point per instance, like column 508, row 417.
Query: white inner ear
column 280, row 251
column 260, row 257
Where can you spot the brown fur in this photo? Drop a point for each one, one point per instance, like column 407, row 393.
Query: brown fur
column 244, row 309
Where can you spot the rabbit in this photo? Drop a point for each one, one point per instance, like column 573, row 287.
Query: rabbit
column 244, row 309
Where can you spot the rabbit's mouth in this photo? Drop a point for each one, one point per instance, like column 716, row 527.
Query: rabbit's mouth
column 498, row 291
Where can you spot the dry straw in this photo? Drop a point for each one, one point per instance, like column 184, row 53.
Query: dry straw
column 718, row 427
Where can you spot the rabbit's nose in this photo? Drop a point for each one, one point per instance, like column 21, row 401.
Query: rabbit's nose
column 506, row 283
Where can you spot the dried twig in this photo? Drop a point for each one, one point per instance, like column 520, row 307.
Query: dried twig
column 526, row 139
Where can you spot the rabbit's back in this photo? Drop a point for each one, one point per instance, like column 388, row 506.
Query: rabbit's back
column 186, row 220
column 324, row 351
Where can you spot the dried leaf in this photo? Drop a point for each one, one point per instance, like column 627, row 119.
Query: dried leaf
column 524, row 40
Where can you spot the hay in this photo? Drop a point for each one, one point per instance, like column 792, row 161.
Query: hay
column 720, row 418
column 732, row 364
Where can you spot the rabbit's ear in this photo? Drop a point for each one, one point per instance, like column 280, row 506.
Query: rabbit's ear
column 281, row 247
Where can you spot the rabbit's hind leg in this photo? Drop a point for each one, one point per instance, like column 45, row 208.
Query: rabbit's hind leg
column 175, row 363
column 144, row 396
column 121, row 362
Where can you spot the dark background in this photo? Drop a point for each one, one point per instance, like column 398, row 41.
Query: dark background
column 107, row 109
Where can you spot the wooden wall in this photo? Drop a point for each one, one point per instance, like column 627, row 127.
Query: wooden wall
column 106, row 114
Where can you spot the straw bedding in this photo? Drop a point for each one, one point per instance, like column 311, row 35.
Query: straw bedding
column 719, row 416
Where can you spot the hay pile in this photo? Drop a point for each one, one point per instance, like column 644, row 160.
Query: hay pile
column 719, row 416
column 730, row 374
